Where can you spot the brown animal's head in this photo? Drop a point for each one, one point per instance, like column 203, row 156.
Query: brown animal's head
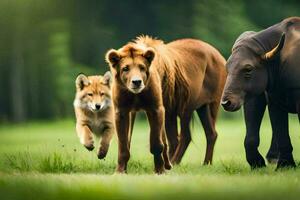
column 247, row 71
column 130, row 66
column 93, row 92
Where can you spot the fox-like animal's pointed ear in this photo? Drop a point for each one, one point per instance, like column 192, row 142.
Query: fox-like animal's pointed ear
column 112, row 57
column 81, row 81
column 274, row 52
column 107, row 79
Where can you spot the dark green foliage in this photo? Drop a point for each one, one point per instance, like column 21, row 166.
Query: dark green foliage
column 45, row 44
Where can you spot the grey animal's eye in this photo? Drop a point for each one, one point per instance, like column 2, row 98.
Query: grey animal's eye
column 126, row 68
column 248, row 71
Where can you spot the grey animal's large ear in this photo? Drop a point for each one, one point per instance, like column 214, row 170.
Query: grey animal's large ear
column 149, row 55
column 81, row 81
column 107, row 79
column 274, row 52
column 112, row 57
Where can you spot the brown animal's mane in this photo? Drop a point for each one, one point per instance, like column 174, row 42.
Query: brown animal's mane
column 168, row 65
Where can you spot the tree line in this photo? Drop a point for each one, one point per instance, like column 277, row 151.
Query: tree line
column 45, row 44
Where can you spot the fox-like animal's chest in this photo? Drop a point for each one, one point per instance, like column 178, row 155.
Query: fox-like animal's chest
column 98, row 125
column 97, row 122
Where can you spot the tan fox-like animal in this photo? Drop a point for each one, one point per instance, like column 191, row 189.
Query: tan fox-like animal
column 94, row 111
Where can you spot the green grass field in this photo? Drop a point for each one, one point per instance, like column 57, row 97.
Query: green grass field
column 45, row 161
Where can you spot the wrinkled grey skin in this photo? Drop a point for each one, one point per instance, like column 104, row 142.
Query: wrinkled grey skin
column 266, row 62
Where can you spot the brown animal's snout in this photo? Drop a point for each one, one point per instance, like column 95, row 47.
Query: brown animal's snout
column 231, row 104
column 136, row 82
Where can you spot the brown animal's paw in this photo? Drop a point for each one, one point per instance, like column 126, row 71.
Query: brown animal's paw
column 168, row 165
column 121, row 171
column 175, row 161
column 89, row 147
column 102, row 153
column 160, row 171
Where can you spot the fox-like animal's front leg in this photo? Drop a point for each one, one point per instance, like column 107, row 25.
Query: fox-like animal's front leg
column 105, row 141
column 86, row 136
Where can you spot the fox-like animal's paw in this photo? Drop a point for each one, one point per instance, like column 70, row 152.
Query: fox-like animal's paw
column 89, row 147
column 102, row 152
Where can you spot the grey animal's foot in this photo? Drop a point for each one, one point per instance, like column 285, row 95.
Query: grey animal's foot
column 256, row 161
column 286, row 164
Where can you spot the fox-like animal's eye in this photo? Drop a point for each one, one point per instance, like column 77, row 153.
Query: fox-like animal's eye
column 101, row 93
column 90, row 94
column 126, row 68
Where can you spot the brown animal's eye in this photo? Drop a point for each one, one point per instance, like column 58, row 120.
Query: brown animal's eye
column 126, row 68
column 101, row 93
column 90, row 94
column 142, row 67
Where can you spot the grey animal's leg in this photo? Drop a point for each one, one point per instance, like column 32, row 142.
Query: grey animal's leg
column 279, row 120
column 253, row 111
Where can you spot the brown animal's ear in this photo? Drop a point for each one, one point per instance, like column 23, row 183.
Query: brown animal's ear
column 274, row 52
column 112, row 57
column 81, row 81
column 107, row 79
column 149, row 55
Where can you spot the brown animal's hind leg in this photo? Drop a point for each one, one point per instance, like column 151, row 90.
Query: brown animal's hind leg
column 184, row 139
column 168, row 164
column 172, row 133
column 207, row 115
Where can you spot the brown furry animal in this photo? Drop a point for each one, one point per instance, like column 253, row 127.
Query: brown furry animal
column 137, row 86
column 189, row 73
column 94, row 112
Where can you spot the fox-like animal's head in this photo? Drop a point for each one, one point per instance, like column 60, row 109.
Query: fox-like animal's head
column 93, row 92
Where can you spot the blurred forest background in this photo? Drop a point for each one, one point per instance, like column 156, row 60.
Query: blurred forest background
column 46, row 43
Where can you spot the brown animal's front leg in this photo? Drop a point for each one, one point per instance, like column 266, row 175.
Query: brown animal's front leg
column 105, row 141
column 86, row 136
column 156, row 120
column 122, row 128
column 172, row 132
